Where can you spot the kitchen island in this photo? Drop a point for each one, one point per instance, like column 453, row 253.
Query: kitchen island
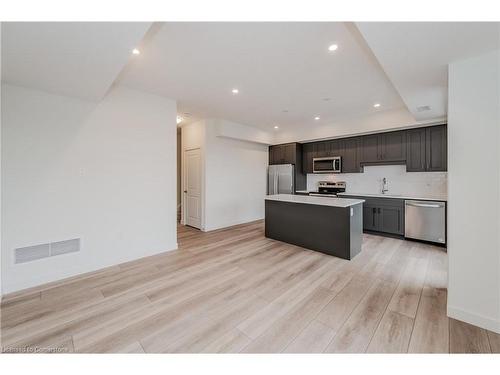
column 332, row 226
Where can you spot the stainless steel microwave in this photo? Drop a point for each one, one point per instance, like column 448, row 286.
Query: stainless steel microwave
column 331, row 164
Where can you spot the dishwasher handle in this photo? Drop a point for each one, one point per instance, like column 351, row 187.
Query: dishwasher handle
column 425, row 205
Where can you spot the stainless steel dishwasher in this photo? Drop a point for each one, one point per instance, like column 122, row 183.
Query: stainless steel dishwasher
column 425, row 220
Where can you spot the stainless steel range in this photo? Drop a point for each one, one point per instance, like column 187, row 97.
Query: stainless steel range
column 329, row 188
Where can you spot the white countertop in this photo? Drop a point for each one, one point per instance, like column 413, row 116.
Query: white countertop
column 395, row 196
column 320, row 201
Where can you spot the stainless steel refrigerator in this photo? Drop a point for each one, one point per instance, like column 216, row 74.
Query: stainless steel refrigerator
column 280, row 179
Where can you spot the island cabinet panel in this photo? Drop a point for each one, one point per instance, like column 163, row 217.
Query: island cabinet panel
column 332, row 230
column 350, row 155
column 384, row 215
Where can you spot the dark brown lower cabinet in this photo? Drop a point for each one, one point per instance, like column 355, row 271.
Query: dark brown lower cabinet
column 384, row 215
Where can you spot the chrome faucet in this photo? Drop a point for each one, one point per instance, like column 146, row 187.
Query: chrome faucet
column 385, row 188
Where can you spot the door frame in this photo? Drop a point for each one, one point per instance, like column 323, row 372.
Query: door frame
column 183, row 188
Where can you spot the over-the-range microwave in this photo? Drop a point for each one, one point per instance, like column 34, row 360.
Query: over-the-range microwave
column 332, row 164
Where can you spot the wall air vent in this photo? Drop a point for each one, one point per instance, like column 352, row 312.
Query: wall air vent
column 31, row 253
column 423, row 108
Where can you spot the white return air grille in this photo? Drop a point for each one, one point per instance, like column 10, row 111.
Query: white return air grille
column 30, row 253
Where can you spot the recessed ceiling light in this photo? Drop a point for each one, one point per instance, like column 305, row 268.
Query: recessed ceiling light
column 316, row 118
column 326, row 99
column 333, row 47
column 376, row 105
column 235, row 91
column 285, row 111
column 179, row 119
column 276, row 127
column 135, row 51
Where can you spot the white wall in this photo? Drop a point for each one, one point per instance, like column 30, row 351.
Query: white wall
column 400, row 182
column 234, row 170
column 376, row 122
column 235, row 177
column 70, row 168
column 474, row 191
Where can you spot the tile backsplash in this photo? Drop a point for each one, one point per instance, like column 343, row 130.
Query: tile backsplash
column 399, row 181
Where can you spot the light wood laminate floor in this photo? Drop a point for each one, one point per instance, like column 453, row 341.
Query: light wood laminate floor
column 234, row 290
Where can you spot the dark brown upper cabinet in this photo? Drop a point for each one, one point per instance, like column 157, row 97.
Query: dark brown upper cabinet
column 384, row 148
column 415, row 150
column 370, row 148
column 283, row 154
column 427, row 149
column 335, row 147
column 436, row 149
column 350, row 155
column 394, row 146
column 321, row 149
column 307, row 157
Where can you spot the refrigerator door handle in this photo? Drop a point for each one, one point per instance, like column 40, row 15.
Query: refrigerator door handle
column 278, row 184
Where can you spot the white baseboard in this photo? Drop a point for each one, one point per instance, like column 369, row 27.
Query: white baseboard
column 474, row 319
column 231, row 224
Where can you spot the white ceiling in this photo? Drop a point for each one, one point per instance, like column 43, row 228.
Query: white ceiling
column 283, row 71
column 276, row 67
column 75, row 59
column 415, row 56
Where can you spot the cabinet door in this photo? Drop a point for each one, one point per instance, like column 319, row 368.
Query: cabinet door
column 275, row 154
column 272, row 151
column 321, row 149
column 370, row 217
column 350, row 156
column 390, row 219
column 415, row 150
column 289, row 153
column 336, row 147
column 307, row 158
column 393, row 146
column 370, row 148
column 436, row 150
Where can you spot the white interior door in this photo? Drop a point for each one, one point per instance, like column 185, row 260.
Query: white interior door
column 192, row 187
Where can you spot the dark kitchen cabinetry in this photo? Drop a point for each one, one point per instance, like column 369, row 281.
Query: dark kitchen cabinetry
column 436, row 148
column 370, row 148
column 384, row 215
column 283, row 154
column 321, row 149
column 350, row 155
column 307, row 157
column 422, row 150
column 427, row 149
column 384, row 148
